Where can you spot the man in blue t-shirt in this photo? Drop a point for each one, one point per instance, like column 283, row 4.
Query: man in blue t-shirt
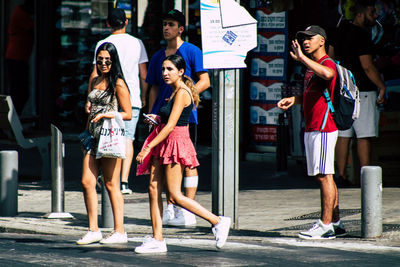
column 173, row 27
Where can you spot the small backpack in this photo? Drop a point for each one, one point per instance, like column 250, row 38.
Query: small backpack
column 346, row 100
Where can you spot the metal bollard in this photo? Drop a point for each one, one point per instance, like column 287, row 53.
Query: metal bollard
column 371, row 201
column 8, row 183
column 107, row 218
column 57, row 176
column 282, row 147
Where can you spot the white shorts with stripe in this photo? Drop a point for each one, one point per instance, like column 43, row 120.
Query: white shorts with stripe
column 320, row 152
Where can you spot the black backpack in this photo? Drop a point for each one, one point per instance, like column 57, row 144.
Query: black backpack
column 346, row 104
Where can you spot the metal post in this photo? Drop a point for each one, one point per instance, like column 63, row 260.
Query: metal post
column 57, row 176
column 281, row 146
column 225, row 143
column 8, row 183
column 107, row 218
column 3, row 32
column 371, row 201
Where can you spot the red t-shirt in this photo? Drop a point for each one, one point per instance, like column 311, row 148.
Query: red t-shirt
column 314, row 102
column 20, row 38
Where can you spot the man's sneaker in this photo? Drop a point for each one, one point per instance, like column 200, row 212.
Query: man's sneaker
column 318, row 231
column 99, row 182
column 221, row 230
column 342, row 181
column 115, row 238
column 90, row 237
column 125, row 189
column 339, row 229
column 168, row 214
column 151, row 245
column 183, row 218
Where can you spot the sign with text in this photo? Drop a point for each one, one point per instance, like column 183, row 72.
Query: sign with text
column 268, row 66
column 266, row 90
column 271, row 20
column 228, row 32
column 271, row 43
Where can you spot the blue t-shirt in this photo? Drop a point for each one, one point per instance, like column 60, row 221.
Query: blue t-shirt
column 194, row 63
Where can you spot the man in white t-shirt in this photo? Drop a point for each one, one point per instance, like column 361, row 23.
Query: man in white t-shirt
column 133, row 58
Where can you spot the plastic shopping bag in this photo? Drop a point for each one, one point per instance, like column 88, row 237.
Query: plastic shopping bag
column 112, row 138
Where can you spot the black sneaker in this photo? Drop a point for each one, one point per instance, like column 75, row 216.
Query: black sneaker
column 99, row 183
column 343, row 182
column 339, row 229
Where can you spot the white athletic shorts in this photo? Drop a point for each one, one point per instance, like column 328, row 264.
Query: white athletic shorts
column 367, row 123
column 320, row 152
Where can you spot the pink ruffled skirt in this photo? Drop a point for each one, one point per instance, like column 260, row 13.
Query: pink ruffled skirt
column 177, row 148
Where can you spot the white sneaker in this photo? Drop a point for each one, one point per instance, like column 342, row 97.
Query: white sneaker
column 221, row 230
column 168, row 214
column 319, row 231
column 125, row 189
column 115, row 238
column 151, row 245
column 183, row 218
column 90, row 237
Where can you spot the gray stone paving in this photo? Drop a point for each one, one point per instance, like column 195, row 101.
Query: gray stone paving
column 271, row 205
column 263, row 214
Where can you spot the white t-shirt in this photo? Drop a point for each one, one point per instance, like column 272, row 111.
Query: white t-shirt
column 131, row 53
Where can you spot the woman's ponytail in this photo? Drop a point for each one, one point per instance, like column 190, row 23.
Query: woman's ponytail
column 189, row 83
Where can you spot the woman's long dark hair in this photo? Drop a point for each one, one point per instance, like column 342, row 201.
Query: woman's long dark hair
column 180, row 63
column 115, row 71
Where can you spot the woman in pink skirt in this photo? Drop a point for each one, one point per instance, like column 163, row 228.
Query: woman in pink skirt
column 167, row 151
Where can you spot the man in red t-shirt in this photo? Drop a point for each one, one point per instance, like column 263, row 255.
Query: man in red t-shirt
column 320, row 129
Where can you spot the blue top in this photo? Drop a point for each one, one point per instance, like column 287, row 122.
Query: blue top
column 194, row 63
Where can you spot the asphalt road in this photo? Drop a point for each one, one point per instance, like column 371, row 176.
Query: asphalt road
column 49, row 250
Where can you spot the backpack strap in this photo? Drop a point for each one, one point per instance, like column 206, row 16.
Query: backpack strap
column 328, row 58
column 329, row 107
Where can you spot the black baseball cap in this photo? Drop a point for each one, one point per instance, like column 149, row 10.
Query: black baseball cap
column 175, row 14
column 311, row 31
column 116, row 17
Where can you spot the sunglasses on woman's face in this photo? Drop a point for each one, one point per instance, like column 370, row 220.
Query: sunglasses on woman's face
column 106, row 61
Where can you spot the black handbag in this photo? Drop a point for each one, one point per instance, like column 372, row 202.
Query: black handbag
column 86, row 140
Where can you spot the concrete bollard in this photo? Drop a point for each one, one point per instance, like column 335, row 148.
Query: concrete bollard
column 371, row 201
column 8, row 183
column 107, row 218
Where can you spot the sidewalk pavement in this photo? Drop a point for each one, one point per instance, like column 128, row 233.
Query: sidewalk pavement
column 271, row 205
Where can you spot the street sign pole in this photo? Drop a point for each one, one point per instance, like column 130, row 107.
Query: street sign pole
column 225, row 143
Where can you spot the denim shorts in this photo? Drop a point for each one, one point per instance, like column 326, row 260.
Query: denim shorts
column 130, row 126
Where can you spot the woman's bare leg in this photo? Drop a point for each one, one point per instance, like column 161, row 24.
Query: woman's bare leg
column 173, row 174
column 90, row 171
column 155, row 189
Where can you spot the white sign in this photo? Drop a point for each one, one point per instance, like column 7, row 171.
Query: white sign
column 268, row 20
column 228, row 32
column 275, row 43
column 259, row 91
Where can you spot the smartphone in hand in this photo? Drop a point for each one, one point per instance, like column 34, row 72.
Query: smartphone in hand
column 150, row 119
